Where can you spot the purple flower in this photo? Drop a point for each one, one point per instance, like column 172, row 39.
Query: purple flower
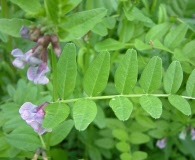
column 34, row 115
column 161, row 143
column 21, row 59
column 192, row 133
column 37, row 74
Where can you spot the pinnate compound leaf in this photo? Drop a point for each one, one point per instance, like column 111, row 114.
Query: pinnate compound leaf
column 55, row 114
column 173, row 77
column 67, row 71
column 78, row 24
column 180, row 103
column 12, row 26
column 151, row 76
column 175, row 36
column 60, row 132
column 122, row 107
column 190, row 86
column 27, row 5
column 126, row 74
column 84, row 112
column 27, row 142
column 96, row 76
column 152, row 105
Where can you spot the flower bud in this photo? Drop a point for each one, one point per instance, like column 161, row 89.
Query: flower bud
column 55, row 45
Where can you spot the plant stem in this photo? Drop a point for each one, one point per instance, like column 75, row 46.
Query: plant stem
column 42, row 142
column 127, row 96
column 54, row 72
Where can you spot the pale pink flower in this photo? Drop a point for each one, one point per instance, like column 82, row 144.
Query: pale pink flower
column 34, row 115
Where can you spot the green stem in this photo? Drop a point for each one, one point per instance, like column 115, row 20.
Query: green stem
column 4, row 8
column 54, row 73
column 42, row 142
column 127, row 96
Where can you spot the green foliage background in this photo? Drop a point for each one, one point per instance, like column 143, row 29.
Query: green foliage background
column 124, row 80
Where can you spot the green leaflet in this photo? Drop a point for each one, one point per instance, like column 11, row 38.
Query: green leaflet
column 152, row 105
column 27, row 5
column 78, row 24
column 100, row 119
column 123, row 146
column 188, row 49
column 27, row 142
column 120, row 134
column 84, row 112
column 162, row 14
column 60, row 132
column 57, row 9
column 175, row 36
column 66, row 71
column 145, row 121
column 125, row 156
column 157, row 44
column 139, row 155
column 157, row 32
column 180, row 103
column 12, row 26
column 141, row 45
column 138, row 138
column 55, row 114
column 109, row 44
column 190, row 86
column 151, row 76
column 136, row 14
column 173, row 77
column 126, row 74
column 96, row 76
column 105, row 143
column 122, row 107
column 125, row 30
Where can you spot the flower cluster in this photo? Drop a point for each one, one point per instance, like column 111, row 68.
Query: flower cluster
column 36, row 57
column 34, row 115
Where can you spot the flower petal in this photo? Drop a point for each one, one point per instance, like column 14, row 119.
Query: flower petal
column 37, row 74
column 17, row 53
column 19, row 63
column 38, row 127
column 32, row 73
column 27, row 111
